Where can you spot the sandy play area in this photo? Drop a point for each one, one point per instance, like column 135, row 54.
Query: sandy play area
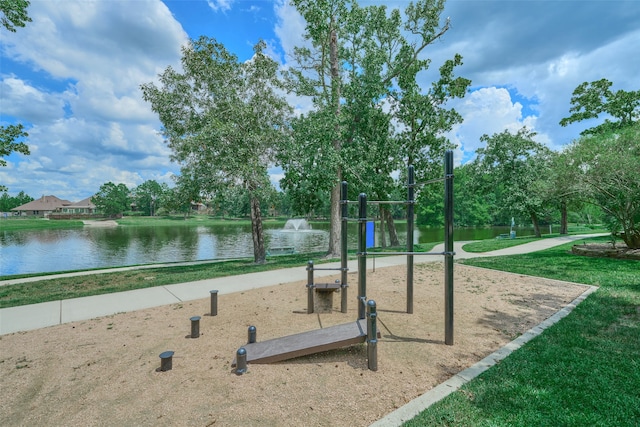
column 104, row 371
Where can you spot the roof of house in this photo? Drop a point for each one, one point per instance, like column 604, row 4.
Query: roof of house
column 44, row 203
column 84, row 203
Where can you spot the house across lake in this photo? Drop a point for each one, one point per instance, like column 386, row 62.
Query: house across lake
column 47, row 206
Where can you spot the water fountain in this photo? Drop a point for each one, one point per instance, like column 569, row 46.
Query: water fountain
column 297, row 224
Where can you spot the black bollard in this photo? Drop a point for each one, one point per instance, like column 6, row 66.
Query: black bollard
column 195, row 326
column 310, row 287
column 252, row 335
column 166, row 361
column 372, row 335
column 241, row 361
column 214, row 303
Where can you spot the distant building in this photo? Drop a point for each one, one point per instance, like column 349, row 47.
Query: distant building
column 83, row 207
column 42, row 207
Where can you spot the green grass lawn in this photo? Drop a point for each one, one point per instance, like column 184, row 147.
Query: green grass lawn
column 583, row 371
column 55, row 289
column 36, row 224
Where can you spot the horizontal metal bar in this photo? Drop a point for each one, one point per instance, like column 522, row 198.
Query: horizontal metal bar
column 378, row 202
column 404, row 253
column 331, row 269
column 387, row 202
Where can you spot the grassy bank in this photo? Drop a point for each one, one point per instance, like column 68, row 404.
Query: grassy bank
column 119, row 281
column 37, row 224
column 54, row 289
column 584, row 371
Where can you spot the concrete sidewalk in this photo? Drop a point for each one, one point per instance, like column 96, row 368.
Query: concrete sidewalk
column 35, row 316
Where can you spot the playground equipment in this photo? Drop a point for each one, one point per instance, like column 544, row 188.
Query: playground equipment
column 334, row 337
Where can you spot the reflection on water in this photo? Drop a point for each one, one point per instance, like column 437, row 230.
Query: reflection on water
column 39, row 251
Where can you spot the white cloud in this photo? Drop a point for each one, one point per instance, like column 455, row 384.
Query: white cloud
column 488, row 111
column 220, row 5
column 19, row 97
column 290, row 27
column 94, row 126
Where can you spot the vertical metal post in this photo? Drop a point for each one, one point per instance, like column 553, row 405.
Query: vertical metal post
column 411, row 181
column 241, row 361
column 372, row 336
column 310, row 287
column 343, row 249
column 448, row 248
column 214, row 302
column 166, row 361
column 195, row 326
column 362, row 254
column 251, row 334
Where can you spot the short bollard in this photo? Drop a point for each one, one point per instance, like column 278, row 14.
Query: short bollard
column 241, row 361
column 214, row 303
column 310, row 287
column 372, row 335
column 195, row 326
column 166, row 361
column 252, row 335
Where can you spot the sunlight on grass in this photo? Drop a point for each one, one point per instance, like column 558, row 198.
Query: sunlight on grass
column 582, row 371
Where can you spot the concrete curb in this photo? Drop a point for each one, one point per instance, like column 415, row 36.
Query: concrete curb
column 419, row 404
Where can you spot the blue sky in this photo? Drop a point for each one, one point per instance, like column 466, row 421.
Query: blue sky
column 72, row 76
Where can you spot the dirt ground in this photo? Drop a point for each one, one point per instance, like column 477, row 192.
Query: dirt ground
column 105, row 371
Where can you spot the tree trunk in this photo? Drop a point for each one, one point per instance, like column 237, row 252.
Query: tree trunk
column 536, row 226
column 335, row 224
column 383, row 235
column 257, row 233
column 336, row 220
column 564, row 226
column 391, row 226
column 631, row 238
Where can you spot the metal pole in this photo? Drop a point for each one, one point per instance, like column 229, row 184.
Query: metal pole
column 166, row 361
column 362, row 255
column 251, row 334
column 343, row 250
column 310, row 287
column 410, row 214
column 241, row 361
column 448, row 248
column 372, row 336
column 195, row 326
column 214, row 302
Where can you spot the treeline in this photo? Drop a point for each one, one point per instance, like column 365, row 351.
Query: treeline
column 8, row 202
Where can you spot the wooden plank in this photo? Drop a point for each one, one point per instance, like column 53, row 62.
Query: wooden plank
column 327, row 287
column 305, row 343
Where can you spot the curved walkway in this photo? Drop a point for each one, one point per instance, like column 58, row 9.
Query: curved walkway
column 35, row 316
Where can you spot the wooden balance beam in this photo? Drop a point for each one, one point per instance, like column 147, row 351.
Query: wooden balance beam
column 305, row 343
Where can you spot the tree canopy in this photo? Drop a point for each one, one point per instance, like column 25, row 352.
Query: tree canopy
column 112, row 200
column 370, row 117
column 590, row 100
column 513, row 168
column 14, row 14
column 9, row 137
column 224, row 120
column 606, row 169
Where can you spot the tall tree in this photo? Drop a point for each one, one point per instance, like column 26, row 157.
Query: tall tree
column 112, row 200
column 9, row 137
column 606, row 168
column 14, row 14
column 357, row 61
column 7, row 202
column 513, row 166
column 224, row 120
column 590, row 100
column 149, row 196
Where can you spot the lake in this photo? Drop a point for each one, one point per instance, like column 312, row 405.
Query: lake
column 44, row 251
